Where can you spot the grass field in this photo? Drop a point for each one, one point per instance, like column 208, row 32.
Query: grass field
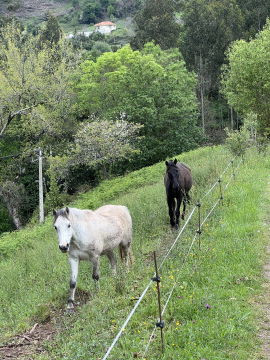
column 211, row 312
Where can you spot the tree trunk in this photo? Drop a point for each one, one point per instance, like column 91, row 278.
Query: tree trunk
column 105, row 172
column 13, row 211
column 201, row 93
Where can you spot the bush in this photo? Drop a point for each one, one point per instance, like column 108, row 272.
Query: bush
column 237, row 141
column 97, row 36
column 101, row 47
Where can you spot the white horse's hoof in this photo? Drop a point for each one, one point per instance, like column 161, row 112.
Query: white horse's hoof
column 70, row 311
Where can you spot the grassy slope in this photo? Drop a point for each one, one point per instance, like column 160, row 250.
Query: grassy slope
column 225, row 274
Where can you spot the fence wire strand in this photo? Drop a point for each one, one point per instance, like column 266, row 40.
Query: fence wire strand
column 167, row 255
column 171, row 292
column 186, row 257
column 178, row 236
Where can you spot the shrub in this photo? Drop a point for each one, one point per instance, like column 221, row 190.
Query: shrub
column 237, row 141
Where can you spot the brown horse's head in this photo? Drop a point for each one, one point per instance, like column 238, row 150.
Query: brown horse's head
column 172, row 175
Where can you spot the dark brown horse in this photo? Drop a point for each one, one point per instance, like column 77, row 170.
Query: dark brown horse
column 178, row 182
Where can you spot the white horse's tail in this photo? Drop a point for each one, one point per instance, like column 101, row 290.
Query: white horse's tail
column 130, row 255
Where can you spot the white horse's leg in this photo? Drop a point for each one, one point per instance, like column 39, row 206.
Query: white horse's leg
column 113, row 261
column 74, row 267
column 95, row 273
column 125, row 254
column 95, row 262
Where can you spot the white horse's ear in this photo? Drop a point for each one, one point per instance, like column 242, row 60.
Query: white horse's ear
column 54, row 212
column 67, row 210
column 175, row 161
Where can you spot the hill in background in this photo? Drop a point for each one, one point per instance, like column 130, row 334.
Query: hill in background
column 74, row 17
column 26, row 9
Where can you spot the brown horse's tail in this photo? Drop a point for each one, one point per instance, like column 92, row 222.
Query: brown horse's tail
column 130, row 255
column 187, row 197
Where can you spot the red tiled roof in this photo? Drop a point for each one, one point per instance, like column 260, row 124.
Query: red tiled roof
column 104, row 23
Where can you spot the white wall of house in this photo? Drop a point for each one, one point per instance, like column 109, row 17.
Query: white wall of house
column 106, row 27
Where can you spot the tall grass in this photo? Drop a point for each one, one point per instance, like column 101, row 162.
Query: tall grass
column 210, row 314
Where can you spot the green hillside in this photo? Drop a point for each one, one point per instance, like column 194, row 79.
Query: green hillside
column 210, row 314
column 175, row 86
column 71, row 15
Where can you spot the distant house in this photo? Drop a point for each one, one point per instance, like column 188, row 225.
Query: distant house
column 105, row 27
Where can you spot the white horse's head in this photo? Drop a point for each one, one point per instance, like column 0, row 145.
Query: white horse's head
column 63, row 228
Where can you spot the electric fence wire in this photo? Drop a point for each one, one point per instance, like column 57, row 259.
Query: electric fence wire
column 186, row 257
column 169, row 297
column 168, row 253
column 145, row 290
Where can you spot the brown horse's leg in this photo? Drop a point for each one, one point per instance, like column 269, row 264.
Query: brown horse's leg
column 184, row 208
column 186, row 200
column 171, row 206
column 179, row 200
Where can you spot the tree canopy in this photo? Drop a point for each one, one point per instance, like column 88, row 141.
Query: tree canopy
column 246, row 78
column 51, row 32
column 36, row 102
column 103, row 142
column 208, row 28
column 152, row 88
column 156, row 22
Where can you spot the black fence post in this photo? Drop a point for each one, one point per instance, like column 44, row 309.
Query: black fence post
column 160, row 323
column 233, row 169
column 220, row 189
column 199, row 223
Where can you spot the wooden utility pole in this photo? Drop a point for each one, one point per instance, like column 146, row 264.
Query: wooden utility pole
column 40, row 182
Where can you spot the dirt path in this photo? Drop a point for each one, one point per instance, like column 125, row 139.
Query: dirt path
column 25, row 345
column 264, row 305
column 33, row 342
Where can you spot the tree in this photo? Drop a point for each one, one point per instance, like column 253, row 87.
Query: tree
column 35, row 102
column 12, row 197
column 255, row 13
column 33, row 85
column 152, row 88
column 110, row 11
column 91, row 11
column 51, row 32
column 58, row 170
column 100, row 47
column 102, row 142
column 156, row 21
column 208, row 28
column 246, row 78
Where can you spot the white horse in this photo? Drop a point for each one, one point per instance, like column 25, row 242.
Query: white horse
column 87, row 234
